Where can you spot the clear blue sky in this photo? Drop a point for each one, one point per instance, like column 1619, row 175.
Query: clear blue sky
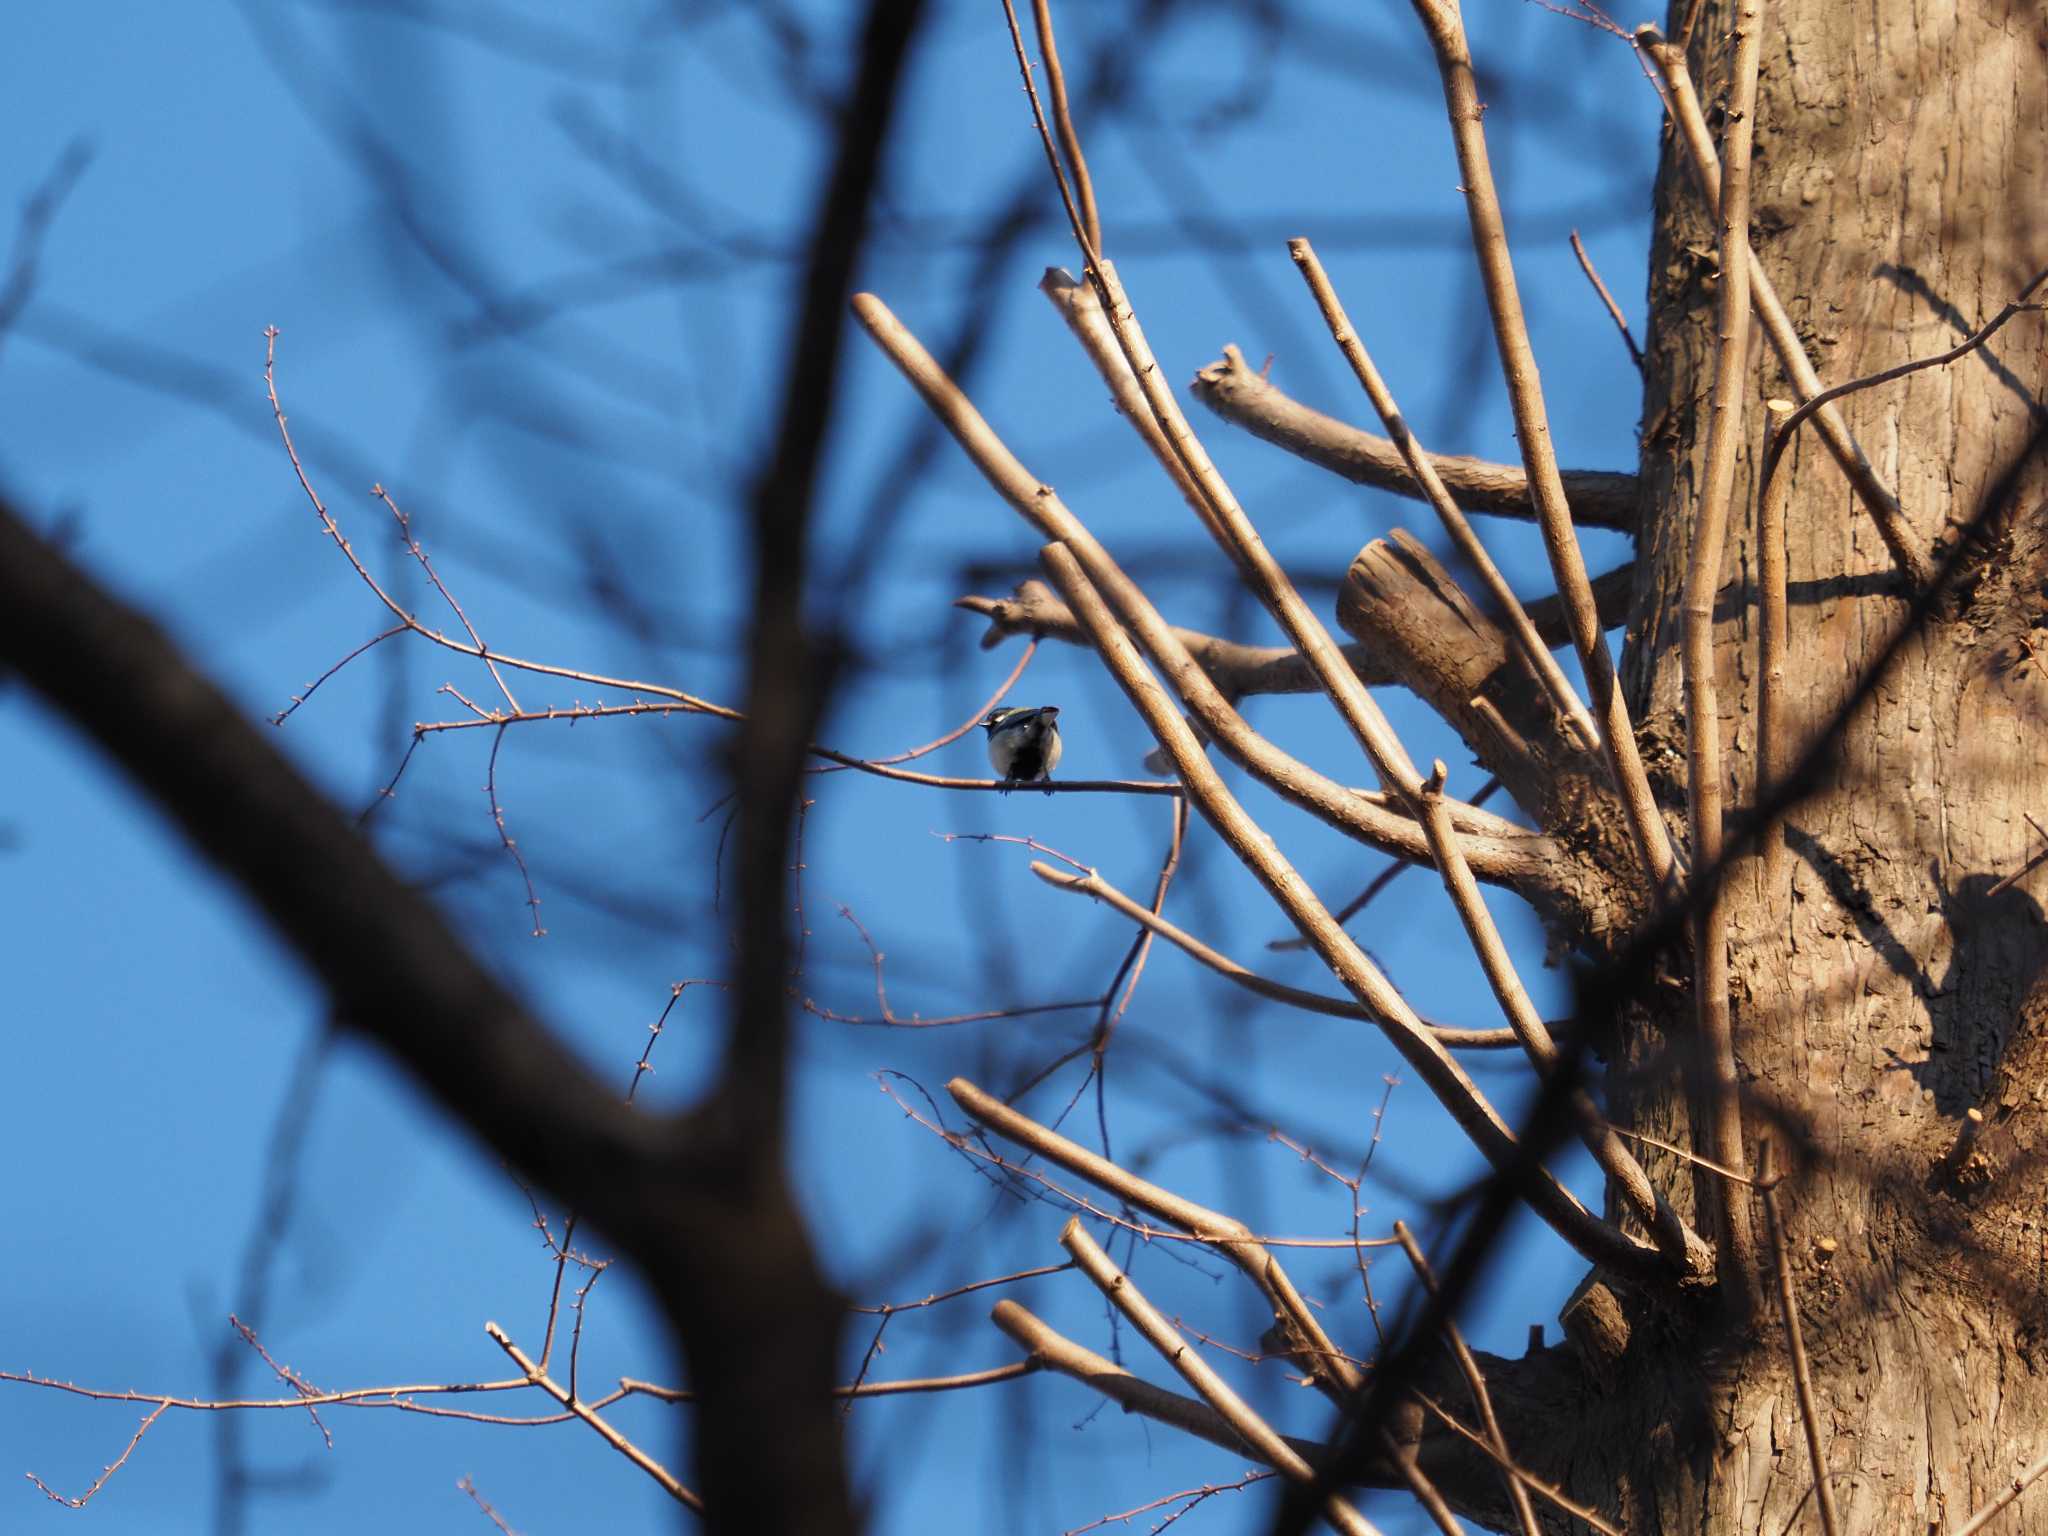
column 531, row 268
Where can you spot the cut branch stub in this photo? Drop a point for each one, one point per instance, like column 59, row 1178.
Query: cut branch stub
column 1407, row 610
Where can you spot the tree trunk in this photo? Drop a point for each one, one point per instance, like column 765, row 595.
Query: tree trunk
column 1883, row 990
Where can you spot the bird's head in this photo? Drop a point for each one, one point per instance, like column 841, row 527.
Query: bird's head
column 996, row 719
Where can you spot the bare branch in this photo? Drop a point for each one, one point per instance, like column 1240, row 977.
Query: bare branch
column 1991, row 1511
column 610, row 1435
column 1258, row 1436
column 1635, row 352
column 1598, row 1241
column 1063, row 118
column 106, row 1473
column 1282, row 773
column 1240, row 670
column 1550, row 1491
column 1244, row 397
column 1313, row 1351
column 1535, row 653
column 38, row 214
column 1054, row 1351
column 1774, row 752
column 1717, row 1115
column 1823, row 401
column 1092, row 884
column 483, row 1504
column 1446, row 30
column 966, row 1380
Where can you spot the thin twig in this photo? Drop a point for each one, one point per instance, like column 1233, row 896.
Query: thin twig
column 1635, row 352
column 1826, row 398
column 490, row 1514
column 573, row 713
column 118, row 1462
column 414, row 548
column 38, row 214
column 966, row 1379
column 1188, row 1498
column 1717, row 1113
column 1406, row 1464
column 1690, row 1157
column 1380, row 881
column 1788, row 1309
column 889, row 1018
column 1063, row 117
column 1991, row 1511
column 402, row 1397
column 1092, row 884
column 588, row 1414
column 1014, row 1174
column 299, row 698
column 2032, row 864
column 1123, row 984
column 1550, row 1492
column 284, row 1374
column 505, row 839
column 970, row 723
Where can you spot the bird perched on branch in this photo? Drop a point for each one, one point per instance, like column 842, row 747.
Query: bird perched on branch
column 1023, row 744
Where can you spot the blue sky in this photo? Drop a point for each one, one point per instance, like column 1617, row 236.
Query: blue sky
column 532, row 273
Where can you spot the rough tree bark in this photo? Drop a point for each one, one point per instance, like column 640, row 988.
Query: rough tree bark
column 1885, row 990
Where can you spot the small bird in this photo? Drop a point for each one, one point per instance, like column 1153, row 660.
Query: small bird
column 1023, row 744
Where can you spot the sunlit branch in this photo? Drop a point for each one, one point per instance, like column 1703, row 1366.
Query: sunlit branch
column 1036, row 502
column 1312, row 1348
column 1257, row 1435
column 1774, row 750
column 1446, row 31
column 1717, row 1114
column 1246, row 398
column 1248, row 841
column 589, row 1415
column 1092, row 884
column 1534, row 651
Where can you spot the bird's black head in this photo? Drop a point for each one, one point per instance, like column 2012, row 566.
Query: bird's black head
column 996, row 719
